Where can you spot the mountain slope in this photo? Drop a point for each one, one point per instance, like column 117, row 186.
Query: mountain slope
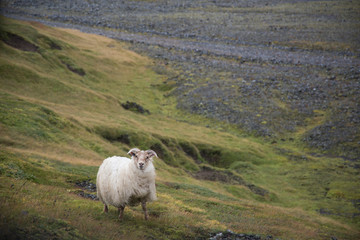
column 273, row 69
column 61, row 113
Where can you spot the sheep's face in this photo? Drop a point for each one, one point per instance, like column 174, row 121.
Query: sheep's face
column 141, row 158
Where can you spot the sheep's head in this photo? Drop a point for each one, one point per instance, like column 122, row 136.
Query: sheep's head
column 141, row 158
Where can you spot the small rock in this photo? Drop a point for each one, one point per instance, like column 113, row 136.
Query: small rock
column 24, row 212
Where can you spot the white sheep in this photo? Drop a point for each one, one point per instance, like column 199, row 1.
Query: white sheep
column 122, row 181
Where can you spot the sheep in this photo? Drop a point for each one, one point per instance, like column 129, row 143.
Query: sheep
column 122, row 181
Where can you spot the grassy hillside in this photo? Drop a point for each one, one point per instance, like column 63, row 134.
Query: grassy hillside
column 61, row 114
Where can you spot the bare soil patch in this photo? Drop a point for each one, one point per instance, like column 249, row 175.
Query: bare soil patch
column 78, row 71
column 210, row 174
column 19, row 42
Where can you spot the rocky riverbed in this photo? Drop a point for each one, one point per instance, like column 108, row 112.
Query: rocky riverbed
column 276, row 69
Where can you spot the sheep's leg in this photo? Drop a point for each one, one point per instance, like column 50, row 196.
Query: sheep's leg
column 105, row 208
column 121, row 212
column 143, row 204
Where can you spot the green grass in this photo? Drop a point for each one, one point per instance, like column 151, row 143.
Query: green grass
column 57, row 126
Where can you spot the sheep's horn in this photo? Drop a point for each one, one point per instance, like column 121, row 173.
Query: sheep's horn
column 151, row 153
column 133, row 151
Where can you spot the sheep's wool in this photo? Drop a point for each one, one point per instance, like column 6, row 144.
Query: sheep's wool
column 119, row 182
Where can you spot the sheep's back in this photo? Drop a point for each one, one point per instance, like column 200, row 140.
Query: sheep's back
column 112, row 181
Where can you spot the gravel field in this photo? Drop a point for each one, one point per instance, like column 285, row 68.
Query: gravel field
column 282, row 69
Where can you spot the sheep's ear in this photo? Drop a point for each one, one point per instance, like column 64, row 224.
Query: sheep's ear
column 151, row 153
column 133, row 152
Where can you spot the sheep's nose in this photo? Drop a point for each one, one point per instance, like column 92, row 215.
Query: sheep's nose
column 141, row 164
